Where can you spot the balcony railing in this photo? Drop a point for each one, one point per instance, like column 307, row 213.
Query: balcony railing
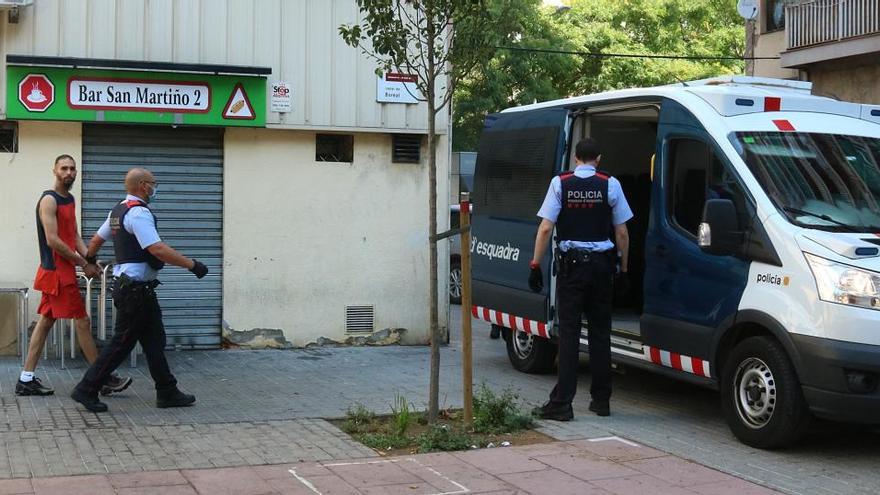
column 824, row 21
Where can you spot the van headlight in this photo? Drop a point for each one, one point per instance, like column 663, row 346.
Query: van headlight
column 845, row 284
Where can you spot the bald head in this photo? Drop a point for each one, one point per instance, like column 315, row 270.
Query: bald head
column 135, row 178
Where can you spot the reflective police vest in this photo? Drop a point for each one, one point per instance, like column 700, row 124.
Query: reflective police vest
column 585, row 214
column 125, row 244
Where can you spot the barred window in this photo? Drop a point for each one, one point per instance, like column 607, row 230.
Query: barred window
column 334, row 148
column 8, row 137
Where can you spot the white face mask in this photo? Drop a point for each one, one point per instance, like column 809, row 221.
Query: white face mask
column 153, row 193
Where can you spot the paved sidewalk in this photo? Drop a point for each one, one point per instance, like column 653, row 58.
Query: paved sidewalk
column 264, row 407
column 582, row 467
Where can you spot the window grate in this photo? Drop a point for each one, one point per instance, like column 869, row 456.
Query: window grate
column 406, row 148
column 8, row 137
column 359, row 319
column 334, row 148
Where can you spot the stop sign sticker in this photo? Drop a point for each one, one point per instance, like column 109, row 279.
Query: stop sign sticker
column 36, row 92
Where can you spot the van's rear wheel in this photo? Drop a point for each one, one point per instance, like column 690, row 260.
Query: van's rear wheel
column 761, row 395
column 530, row 354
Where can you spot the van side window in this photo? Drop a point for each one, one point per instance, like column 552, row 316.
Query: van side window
column 517, row 167
column 695, row 175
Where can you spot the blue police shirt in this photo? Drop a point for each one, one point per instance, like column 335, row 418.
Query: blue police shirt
column 552, row 205
column 138, row 221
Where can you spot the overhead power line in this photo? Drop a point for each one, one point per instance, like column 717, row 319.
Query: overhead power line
column 628, row 55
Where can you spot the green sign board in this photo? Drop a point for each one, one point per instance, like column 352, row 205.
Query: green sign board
column 52, row 93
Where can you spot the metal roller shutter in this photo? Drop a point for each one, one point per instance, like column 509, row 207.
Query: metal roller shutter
column 188, row 165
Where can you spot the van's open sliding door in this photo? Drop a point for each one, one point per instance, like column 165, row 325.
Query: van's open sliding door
column 518, row 155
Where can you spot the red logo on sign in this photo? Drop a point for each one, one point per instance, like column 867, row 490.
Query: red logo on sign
column 404, row 78
column 36, row 92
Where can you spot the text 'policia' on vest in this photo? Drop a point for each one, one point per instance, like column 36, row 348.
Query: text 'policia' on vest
column 125, row 244
column 585, row 214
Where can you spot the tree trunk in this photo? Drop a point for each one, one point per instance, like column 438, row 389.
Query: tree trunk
column 434, row 390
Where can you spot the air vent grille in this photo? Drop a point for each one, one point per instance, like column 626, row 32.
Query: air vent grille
column 407, row 148
column 359, row 319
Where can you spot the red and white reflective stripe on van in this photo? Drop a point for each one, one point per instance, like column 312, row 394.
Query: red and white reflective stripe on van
column 510, row 321
column 680, row 362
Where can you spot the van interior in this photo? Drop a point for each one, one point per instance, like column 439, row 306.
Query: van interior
column 627, row 136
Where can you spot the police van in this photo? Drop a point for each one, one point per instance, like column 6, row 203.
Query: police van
column 754, row 250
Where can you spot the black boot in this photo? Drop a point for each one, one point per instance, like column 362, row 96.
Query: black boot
column 600, row 407
column 173, row 397
column 556, row 412
column 90, row 402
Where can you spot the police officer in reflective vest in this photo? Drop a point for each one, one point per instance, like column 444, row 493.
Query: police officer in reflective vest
column 583, row 205
column 140, row 254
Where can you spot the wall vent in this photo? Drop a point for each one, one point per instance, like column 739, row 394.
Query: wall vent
column 359, row 319
column 406, row 148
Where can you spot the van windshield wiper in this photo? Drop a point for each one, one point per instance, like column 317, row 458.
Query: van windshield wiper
column 851, row 228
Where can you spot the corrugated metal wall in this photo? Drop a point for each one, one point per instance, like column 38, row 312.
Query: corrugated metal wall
column 333, row 84
column 188, row 165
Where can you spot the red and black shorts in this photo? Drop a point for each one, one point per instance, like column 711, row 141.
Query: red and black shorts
column 68, row 303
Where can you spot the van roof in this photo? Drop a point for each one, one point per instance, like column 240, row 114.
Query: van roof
column 732, row 95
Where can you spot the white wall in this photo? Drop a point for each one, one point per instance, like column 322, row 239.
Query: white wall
column 25, row 175
column 303, row 239
column 334, row 85
column 771, row 45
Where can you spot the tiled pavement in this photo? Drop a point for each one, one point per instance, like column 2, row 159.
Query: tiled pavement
column 582, row 467
column 261, row 407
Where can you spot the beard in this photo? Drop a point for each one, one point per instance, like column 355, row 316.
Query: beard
column 68, row 183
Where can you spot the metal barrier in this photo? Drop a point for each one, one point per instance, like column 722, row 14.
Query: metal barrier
column 58, row 336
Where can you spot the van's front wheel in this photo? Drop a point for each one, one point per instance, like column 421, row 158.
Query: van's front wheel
column 761, row 395
column 528, row 353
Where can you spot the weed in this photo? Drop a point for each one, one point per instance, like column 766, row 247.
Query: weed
column 498, row 413
column 383, row 441
column 358, row 419
column 402, row 415
column 443, row 438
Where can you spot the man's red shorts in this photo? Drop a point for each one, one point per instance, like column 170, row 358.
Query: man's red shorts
column 68, row 303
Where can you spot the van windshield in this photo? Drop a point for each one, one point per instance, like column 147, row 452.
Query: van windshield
column 821, row 181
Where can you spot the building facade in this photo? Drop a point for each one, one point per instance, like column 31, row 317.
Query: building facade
column 283, row 162
column 835, row 44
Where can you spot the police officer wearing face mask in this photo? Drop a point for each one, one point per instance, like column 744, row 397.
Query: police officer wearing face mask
column 583, row 205
column 140, row 254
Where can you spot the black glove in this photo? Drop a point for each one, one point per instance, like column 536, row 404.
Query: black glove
column 621, row 283
column 199, row 269
column 536, row 278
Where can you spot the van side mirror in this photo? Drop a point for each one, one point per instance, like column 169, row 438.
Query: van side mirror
column 718, row 233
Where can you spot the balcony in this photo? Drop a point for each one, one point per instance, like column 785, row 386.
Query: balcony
column 822, row 30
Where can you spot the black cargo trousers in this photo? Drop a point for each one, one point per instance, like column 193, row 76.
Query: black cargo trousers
column 138, row 319
column 584, row 286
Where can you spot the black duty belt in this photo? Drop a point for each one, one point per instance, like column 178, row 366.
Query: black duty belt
column 576, row 256
column 124, row 283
